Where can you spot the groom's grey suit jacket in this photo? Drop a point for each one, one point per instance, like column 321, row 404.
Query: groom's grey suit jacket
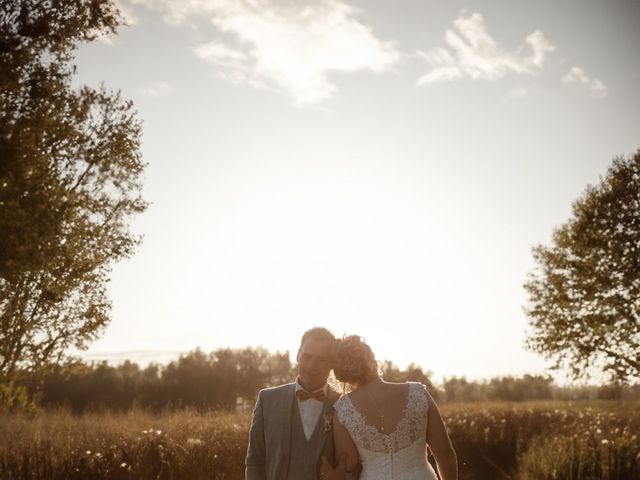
column 268, row 454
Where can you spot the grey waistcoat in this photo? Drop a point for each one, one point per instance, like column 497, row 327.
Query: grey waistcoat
column 300, row 468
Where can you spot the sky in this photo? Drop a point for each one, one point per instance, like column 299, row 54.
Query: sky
column 380, row 168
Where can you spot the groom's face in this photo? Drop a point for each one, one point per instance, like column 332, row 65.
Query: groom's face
column 314, row 363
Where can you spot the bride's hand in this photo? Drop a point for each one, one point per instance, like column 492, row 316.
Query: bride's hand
column 327, row 472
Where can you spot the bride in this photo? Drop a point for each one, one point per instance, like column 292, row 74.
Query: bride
column 385, row 426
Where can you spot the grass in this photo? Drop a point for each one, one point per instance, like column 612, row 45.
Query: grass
column 57, row 445
column 522, row 440
column 532, row 440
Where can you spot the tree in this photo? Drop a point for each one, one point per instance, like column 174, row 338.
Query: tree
column 515, row 389
column 414, row 373
column 584, row 295
column 461, row 390
column 70, row 178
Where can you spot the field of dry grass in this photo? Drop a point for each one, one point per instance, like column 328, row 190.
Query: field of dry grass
column 533, row 440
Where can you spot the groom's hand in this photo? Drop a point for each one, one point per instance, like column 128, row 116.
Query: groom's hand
column 327, row 472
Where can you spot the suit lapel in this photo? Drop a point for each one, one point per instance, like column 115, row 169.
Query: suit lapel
column 287, row 421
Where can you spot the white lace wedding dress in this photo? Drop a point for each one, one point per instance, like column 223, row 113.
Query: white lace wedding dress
column 400, row 455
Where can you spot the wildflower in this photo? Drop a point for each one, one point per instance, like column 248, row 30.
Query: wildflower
column 192, row 442
column 604, row 441
column 123, row 465
column 88, row 452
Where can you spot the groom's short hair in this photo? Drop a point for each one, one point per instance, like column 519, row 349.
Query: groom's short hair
column 320, row 334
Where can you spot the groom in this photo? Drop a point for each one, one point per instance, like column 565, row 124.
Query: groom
column 291, row 424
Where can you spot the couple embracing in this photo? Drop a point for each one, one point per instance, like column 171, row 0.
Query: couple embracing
column 378, row 430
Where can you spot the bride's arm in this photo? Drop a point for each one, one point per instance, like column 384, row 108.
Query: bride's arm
column 347, row 455
column 440, row 443
column 344, row 444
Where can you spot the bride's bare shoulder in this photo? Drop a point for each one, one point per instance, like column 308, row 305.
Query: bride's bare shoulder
column 399, row 386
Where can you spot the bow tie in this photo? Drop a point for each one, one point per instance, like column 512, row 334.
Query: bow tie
column 303, row 395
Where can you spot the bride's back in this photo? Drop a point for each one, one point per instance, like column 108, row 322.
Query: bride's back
column 382, row 404
column 391, row 441
column 382, row 425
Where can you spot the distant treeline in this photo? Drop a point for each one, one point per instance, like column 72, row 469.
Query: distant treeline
column 225, row 377
column 530, row 387
column 196, row 380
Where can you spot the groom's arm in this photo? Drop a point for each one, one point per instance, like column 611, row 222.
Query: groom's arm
column 255, row 461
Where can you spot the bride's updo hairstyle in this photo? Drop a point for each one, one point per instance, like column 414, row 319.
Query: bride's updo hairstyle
column 353, row 361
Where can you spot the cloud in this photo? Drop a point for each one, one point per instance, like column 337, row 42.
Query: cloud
column 518, row 92
column 472, row 53
column 157, row 89
column 577, row 75
column 292, row 46
column 220, row 53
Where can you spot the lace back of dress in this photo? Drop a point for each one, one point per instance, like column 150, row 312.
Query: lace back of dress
column 411, row 426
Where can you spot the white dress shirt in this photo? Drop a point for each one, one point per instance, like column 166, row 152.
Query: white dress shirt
column 310, row 411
